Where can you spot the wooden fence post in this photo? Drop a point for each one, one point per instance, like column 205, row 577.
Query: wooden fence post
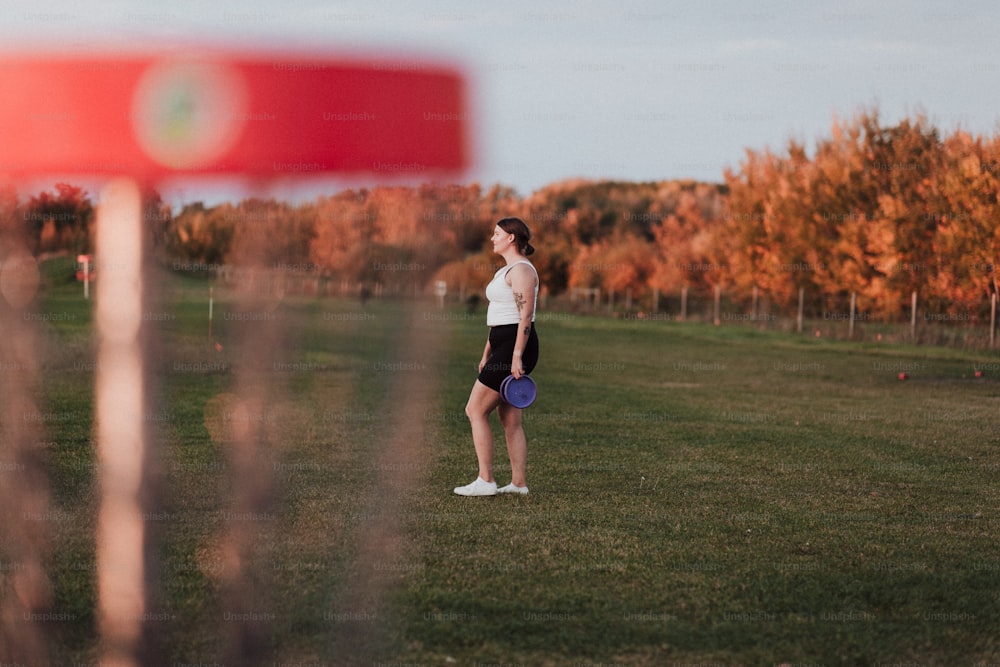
column 850, row 326
column 798, row 321
column 718, row 299
column 993, row 319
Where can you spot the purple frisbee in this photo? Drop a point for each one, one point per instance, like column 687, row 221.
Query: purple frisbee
column 519, row 393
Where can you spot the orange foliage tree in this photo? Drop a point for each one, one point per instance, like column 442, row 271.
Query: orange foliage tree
column 61, row 221
column 880, row 212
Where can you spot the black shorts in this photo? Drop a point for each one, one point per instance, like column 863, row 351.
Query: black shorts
column 502, row 339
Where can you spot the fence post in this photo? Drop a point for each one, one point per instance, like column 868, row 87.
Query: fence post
column 684, row 302
column 718, row 299
column 798, row 320
column 993, row 318
column 850, row 326
column 913, row 315
column 211, row 304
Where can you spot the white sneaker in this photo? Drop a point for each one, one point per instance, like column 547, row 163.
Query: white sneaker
column 478, row 488
column 513, row 488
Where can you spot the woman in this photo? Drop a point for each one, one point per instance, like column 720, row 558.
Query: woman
column 511, row 349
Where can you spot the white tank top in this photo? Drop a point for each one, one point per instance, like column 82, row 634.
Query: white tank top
column 502, row 309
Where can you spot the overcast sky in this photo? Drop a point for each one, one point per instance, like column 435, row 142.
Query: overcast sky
column 625, row 89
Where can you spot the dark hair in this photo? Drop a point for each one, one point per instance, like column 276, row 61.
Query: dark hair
column 521, row 234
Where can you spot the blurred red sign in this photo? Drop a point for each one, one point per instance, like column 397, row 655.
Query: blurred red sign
column 226, row 113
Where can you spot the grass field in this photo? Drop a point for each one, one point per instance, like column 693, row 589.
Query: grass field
column 699, row 495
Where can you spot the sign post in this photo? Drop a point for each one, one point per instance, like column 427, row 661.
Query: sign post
column 84, row 261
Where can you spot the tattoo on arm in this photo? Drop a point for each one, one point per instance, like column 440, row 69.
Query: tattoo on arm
column 519, row 300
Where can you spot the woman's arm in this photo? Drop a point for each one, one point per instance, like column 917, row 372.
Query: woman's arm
column 522, row 282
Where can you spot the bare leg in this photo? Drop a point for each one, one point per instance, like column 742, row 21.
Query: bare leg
column 517, row 443
column 482, row 401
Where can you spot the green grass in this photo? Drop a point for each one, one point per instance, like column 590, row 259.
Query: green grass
column 710, row 494
column 699, row 494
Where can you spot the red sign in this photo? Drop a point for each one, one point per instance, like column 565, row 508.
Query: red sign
column 222, row 113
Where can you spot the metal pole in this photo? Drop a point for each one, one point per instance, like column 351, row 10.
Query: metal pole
column 121, row 400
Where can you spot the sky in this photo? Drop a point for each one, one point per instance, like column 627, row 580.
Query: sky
column 626, row 90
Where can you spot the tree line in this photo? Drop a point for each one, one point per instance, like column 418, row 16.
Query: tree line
column 879, row 212
column 874, row 211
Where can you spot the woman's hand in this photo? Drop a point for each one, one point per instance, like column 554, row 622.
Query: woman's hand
column 516, row 367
